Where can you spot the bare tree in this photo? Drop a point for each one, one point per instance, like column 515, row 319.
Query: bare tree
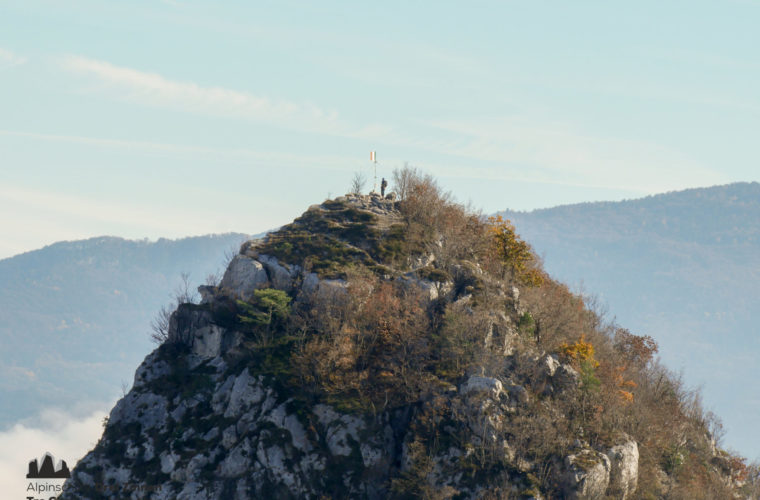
column 213, row 279
column 358, row 182
column 183, row 294
column 230, row 254
column 159, row 325
column 403, row 179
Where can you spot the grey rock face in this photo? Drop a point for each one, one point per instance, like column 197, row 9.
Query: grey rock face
column 243, row 276
column 326, row 289
column 207, row 341
column 341, row 429
column 150, row 369
column 246, row 391
column 492, row 386
column 149, row 409
column 196, row 328
column 430, row 289
column 280, row 276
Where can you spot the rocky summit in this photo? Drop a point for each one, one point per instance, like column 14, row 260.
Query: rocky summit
column 401, row 348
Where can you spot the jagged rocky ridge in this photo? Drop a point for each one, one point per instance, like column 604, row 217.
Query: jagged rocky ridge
column 213, row 415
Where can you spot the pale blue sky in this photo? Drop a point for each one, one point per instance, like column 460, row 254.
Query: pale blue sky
column 171, row 118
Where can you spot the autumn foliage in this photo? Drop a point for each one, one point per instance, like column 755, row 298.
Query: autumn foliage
column 379, row 341
column 513, row 252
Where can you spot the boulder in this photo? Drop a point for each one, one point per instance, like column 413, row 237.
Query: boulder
column 548, row 365
column 488, row 385
column 243, row 276
column 331, row 289
column 624, row 473
column 566, row 377
column 515, row 293
column 280, row 276
column 207, row 293
column 195, row 328
column 428, row 287
column 587, row 475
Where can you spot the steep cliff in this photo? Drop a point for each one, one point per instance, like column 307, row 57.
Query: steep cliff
column 377, row 348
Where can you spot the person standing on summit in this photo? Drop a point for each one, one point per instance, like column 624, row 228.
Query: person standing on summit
column 383, row 185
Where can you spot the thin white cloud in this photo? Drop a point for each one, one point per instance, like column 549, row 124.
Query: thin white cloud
column 65, row 436
column 540, row 151
column 93, row 210
column 9, row 59
column 555, row 153
column 156, row 90
column 281, row 159
column 34, row 217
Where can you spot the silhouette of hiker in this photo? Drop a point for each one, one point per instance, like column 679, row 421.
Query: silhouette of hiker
column 383, row 185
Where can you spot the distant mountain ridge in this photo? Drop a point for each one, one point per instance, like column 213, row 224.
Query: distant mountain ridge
column 75, row 316
column 683, row 267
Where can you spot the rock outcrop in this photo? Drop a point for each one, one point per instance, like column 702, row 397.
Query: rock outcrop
column 588, row 475
column 624, row 471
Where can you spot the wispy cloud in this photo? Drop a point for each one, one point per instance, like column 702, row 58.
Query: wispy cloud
column 230, row 154
column 506, row 147
column 33, row 217
column 9, row 59
column 111, row 213
column 65, row 436
column 156, row 90
column 37, row 217
column 557, row 153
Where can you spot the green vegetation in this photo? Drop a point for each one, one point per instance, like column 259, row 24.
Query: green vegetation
column 267, row 306
column 527, row 325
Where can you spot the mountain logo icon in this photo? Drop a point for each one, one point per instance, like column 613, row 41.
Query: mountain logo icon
column 46, row 470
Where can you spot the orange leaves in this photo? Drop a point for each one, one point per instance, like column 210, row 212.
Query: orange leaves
column 579, row 352
column 738, row 466
column 622, row 385
column 637, row 350
column 626, row 396
column 619, row 380
column 513, row 252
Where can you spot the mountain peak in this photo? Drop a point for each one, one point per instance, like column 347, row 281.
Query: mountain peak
column 377, row 348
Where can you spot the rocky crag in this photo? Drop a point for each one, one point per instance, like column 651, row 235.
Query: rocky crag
column 384, row 349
